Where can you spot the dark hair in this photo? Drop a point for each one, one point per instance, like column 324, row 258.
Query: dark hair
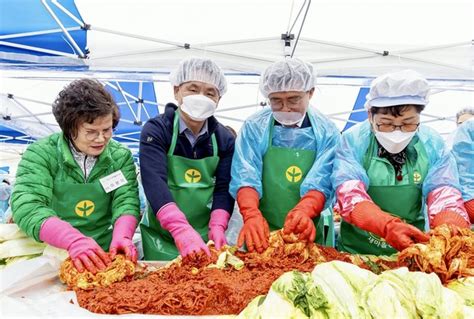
column 396, row 110
column 83, row 101
column 231, row 130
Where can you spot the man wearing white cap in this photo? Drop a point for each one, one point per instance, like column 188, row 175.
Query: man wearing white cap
column 388, row 168
column 185, row 159
column 283, row 159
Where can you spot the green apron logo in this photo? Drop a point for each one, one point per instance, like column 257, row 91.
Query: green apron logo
column 192, row 176
column 85, row 207
column 293, row 174
column 416, row 177
column 377, row 241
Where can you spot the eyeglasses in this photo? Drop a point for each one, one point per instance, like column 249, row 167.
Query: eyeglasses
column 92, row 135
column 391, row 127
column 292, row 102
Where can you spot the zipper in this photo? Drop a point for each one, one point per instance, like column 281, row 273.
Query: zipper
column 85, row 169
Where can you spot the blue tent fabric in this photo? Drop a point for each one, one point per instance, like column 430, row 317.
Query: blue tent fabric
column 137, row 103
column 9, row 135
column 135, row 109
column 24, row 16
column 358, row 105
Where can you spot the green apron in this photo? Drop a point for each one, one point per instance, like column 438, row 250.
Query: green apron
column 85, row 206
column 284, row 169
column 191, row 182
column 399, row 198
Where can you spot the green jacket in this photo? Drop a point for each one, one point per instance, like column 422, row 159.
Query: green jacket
column 33, row 191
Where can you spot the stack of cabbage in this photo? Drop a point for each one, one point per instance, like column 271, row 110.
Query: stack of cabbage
column 16, row 246
column 341, row 290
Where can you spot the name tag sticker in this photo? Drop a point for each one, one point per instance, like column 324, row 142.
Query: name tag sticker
column 113, row 181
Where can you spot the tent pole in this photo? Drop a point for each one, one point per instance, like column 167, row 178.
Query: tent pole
column 132, row 53
column 27, row 47
column 66, row 11
column 126, row 100
column 129, row 35
column 431, row 48
column 139, row 102
column 66, row 33
column 29, row 112
column 35, row 33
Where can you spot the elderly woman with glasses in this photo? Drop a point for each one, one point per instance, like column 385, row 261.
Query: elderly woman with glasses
column 388, row 169
column 77, row 189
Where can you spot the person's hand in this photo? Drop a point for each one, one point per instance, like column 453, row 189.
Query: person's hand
column 400, row 235
column 187, row 240
column 300, row 219
column 449, row 218
column 255, row 232
column 85, row 253
column 299, row 223
column 122, row 238
column 217, row 226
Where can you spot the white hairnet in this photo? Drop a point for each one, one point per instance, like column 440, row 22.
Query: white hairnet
column 198, row 69
column 398, row 88
column 291, row 74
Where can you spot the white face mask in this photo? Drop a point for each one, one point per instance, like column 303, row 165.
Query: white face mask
column 198, row 107
column 288, row 118
column 394, row 142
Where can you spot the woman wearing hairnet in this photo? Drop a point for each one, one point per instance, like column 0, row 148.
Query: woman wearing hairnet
column 389, row 166
column 463, row 150
column 185, row 159
column 283, row 159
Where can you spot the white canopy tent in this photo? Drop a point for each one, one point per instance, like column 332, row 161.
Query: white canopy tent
column 349, row 43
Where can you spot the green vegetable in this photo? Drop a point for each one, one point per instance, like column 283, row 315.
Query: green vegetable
column 292, row 286
column 465, row 288
column 389, row 296
column 12, row 260
column 252, row 309
column 452, row 305
column 225, row 259
column 10, row 231
column 428, row 292
column 277, row 306
column 342, row 300
column 20, row 247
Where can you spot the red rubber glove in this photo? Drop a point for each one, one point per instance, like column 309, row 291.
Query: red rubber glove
column 300, row 219
column 450, row 218
column 83, row 250
column 187, row 240
column 217, row 226
column 122, row 236
column 255, row 231
column 469, row 205
column 368, row 216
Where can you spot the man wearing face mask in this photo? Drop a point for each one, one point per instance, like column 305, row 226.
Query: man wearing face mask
column 185, row 159
column 388, row 168
column 283, row 159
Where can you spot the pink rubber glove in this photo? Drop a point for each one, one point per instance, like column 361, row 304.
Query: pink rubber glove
column 83, row 250
column 187, row 240
column 122, row 236
column 217, row 226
